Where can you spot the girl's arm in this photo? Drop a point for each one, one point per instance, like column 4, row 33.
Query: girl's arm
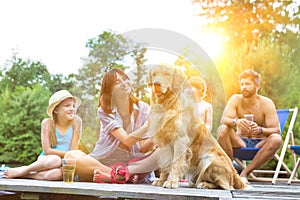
column 45, row 137
column 77, row 133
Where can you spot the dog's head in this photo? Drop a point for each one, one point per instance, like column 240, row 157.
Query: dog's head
column 165, row 78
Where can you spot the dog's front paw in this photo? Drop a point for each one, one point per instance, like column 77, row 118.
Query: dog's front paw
column 171, row 184
column 158, row 182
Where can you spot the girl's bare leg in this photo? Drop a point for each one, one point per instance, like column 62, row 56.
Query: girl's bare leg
column 50, row 175
column 43, row 163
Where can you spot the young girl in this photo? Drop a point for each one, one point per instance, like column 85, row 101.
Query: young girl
column 205, row 109
column 121, row 115
column 60, row 133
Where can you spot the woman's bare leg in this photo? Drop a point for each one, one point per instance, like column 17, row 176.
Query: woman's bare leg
column 148, row 164
column 85, row 165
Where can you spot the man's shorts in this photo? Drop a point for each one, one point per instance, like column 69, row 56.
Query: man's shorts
column 251, row 142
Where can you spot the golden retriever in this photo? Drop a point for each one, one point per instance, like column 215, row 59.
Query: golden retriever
column 186, row 146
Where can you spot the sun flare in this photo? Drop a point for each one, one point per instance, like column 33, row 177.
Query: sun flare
column 211, row 43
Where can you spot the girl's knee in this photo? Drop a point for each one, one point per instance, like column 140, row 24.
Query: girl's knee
column 73, row 154
column 54, row 175
column 53, row 161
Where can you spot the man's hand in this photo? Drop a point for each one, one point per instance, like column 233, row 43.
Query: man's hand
column 255, row 132
column 244, row 127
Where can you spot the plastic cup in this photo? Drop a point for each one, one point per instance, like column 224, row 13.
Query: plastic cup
column 68, row 168
column 249, row 117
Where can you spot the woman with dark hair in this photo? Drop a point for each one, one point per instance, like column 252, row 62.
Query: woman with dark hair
column 123, row 120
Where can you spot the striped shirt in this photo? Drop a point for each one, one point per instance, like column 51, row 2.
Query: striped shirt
column 107, row 143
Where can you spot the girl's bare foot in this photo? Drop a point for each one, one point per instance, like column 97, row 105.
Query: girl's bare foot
column 16, row 172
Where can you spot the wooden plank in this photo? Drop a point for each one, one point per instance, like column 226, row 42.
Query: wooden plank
column 139, row 191
column 268, row 191
column 85, row 190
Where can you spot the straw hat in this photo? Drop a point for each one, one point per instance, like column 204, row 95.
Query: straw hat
column 58, row 97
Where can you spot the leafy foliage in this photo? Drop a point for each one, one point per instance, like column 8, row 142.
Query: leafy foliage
column 27, row 73
column 21, row 114
column 249, row 20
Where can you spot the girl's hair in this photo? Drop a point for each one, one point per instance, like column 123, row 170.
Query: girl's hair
column 199, row 83
column 52, row 136
column 255, row 76
column 107, row 87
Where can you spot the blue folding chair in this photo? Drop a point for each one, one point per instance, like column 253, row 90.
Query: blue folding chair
column 296, row 153
column 242, row 155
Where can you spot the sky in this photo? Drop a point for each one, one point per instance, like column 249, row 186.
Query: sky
column 55, row 32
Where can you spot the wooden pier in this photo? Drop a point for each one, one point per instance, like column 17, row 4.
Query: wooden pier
column 12, row 189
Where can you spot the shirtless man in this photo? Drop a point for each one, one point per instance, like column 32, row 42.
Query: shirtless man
column 263, row 132
column 205, row 110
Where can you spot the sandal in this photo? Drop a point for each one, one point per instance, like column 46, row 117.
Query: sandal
column 119, row 169
column 119, row 174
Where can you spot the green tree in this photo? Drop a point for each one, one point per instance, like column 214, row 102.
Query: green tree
column 19, row 72
column 21, row 113
column 106, row 51
column 59, row 82
column 250, row 20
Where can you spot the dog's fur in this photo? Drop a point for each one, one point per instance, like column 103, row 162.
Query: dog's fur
column 186, row 146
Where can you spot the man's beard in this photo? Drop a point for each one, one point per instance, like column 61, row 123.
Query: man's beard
column 247, row 93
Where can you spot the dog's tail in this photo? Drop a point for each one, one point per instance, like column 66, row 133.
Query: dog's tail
column 238, row 182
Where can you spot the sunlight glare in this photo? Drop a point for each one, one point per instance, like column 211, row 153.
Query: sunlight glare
column 211, row 43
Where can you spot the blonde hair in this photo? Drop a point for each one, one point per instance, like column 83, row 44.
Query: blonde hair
column 199, row 83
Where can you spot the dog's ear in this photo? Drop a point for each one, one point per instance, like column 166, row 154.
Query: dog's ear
column 179, row 79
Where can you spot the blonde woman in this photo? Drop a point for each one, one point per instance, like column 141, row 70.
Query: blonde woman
column 60, row 133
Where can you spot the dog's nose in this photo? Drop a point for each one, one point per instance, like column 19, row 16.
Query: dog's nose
column 156, row 87
column 154, row 84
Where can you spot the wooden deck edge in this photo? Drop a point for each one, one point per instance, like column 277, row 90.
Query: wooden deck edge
column 139, row 191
